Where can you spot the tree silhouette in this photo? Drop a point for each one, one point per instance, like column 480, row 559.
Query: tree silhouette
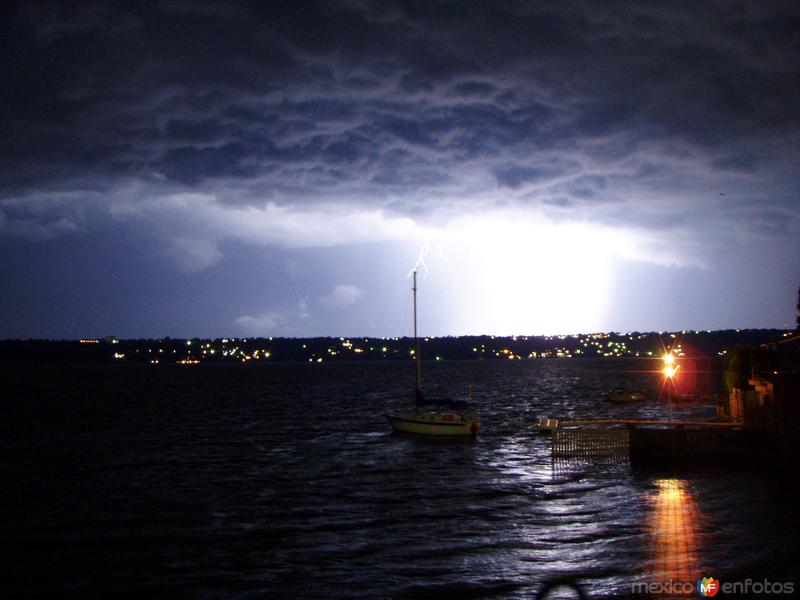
column 738, row 367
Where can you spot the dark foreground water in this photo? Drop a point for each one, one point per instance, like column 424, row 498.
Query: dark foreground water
column 284, row 481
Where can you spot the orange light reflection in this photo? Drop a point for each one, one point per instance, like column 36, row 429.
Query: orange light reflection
column 674, row 534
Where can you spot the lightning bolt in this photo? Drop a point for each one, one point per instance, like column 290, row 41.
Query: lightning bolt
column 423, row 254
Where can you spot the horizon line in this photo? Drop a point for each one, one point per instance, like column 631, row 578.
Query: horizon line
column 108, row 338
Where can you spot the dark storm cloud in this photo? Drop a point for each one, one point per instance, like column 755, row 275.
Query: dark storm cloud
column 742, row 163
column 398, row 105
column 587, row 186
column 516, row 176
column 473, row 88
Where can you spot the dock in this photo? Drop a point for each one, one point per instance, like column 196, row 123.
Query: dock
column 653, row 442
column 638, row 422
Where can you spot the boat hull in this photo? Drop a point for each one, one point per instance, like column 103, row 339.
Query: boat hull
column 434, row 424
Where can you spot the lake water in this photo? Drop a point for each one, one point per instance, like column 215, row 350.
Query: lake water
column 285, row 481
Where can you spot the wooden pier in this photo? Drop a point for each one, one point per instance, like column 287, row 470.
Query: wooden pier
column 652, row 442
column 638, row 422
column 720, row 447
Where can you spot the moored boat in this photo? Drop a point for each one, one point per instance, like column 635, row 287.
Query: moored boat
column 434, row 423
column 447, row 418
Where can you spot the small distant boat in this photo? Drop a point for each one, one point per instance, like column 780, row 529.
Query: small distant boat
column 446, row 418
column 621, row 396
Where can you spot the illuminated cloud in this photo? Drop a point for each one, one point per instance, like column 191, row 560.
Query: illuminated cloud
column 262, row 325
column 194, row 254
column 194, row 225
column 342, row 295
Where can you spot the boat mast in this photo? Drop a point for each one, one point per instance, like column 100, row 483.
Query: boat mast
column 417, row 357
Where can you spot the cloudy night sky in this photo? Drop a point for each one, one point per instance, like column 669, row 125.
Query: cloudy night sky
column 190, row 168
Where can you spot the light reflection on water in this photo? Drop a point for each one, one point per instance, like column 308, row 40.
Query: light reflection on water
column 674, row 531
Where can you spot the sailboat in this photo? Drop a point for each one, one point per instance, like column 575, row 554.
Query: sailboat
column 445, row 417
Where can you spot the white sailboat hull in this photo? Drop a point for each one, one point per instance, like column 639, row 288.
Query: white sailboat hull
column 434, row 424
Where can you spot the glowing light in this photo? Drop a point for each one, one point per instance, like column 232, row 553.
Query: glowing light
column 511, row 274
column 670, row 370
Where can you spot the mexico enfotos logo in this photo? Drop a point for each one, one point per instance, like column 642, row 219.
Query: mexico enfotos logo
column 708, row 587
